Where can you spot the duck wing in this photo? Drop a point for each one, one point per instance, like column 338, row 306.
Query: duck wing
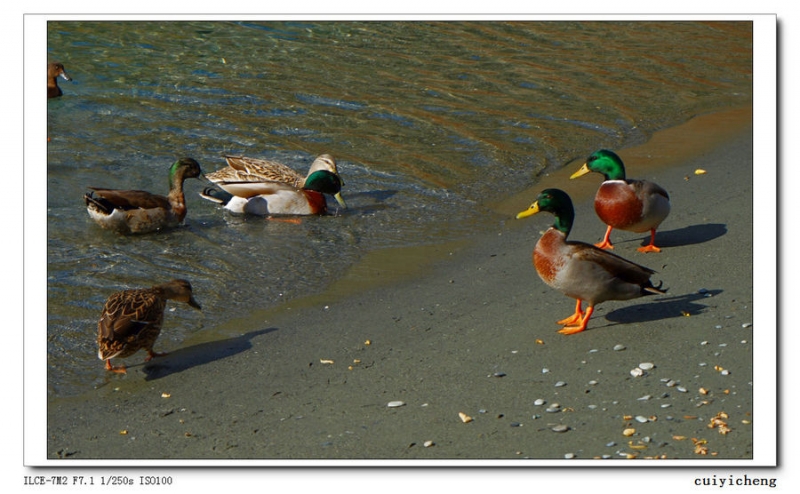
column 243, row 169
column 126, row 199
column 127, row 313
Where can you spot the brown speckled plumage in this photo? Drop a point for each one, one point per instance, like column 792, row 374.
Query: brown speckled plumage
column 131, row 320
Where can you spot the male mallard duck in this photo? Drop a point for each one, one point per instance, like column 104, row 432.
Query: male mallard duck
column 137, row 211
column 627, row 204
column 131, row 320
column 266, row 187
column 580, row 270
column 55, row 69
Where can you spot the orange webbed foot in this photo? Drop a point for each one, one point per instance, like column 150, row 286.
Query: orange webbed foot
column 579, row 327
column 649, row 248
column 606, row 243
column 120, row 369
column 574, row 318
column 294, row 221
column 652, row 246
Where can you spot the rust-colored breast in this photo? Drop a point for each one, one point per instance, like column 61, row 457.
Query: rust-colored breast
column 547, row 256
column 617, row 205
column 316, row 201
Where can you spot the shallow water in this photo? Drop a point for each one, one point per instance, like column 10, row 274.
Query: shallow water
column 429, row 121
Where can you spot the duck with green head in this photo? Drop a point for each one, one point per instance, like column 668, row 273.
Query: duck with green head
column 264, row 187
column 625, row 203
column 580, row 270
column 139, row 211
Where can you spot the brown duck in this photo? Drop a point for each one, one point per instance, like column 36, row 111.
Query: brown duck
column 131, row 320
column 138, row 211
column 54, row 70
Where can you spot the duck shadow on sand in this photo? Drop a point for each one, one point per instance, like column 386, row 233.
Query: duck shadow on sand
column 664, row 308
column 688, row 235
column 201, row 354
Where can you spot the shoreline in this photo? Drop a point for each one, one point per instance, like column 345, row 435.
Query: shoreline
column 455, row 329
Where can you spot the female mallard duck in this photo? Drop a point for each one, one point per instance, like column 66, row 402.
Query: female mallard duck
column 54, row 70
column 579, row 270
column 131, row 320
column 627, row 204
column 266, row 187
column 137, row 211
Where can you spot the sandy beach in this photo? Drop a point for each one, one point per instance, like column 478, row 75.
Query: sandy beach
column 469, row 328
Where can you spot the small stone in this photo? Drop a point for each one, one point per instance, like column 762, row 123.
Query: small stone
column 644, row 398
column 747, row 325
column 545, row 370
column 555, row 407
column 592, row 383
column 611, row 444
column 569, row 456
column 499, row 374
column 560, row 384
column 539, row 402
column 619, row 348
column 629, row 432
column 637, row 372
column 515, row 424
column 646, row 366
column 428, row 444
column 681, row 389
column 725, row 372
column 395, row 404
column 560, row 428
column 642, row 419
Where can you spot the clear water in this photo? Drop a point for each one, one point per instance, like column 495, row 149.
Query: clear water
column 428, row 121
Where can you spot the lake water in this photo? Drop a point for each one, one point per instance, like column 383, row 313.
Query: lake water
column 428, row 121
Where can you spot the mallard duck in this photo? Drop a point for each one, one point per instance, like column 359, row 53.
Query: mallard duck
column 580, row 270
column 137, row 211
column 627, row 204
column 55, row 69
column 131, row 320
column 269, row 188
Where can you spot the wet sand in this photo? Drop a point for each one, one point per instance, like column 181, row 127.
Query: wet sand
column 471, row 329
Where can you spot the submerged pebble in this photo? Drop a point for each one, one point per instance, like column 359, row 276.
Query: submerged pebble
column 618, row 348
column 560, row 428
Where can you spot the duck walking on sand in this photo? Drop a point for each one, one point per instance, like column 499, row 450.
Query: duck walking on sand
column 263, row 187
column 54, row 70
column 580, row 270
column 138, row 211
column 131, row 320
column 628, row 204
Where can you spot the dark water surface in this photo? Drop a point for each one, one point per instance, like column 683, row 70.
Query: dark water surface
column 428, row 121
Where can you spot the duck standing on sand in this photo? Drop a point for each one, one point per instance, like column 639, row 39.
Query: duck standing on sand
column 580, row 270
column 54, row 70
column 265, row 187
column 138, row 211
column 627, row 204
column 131, row 320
